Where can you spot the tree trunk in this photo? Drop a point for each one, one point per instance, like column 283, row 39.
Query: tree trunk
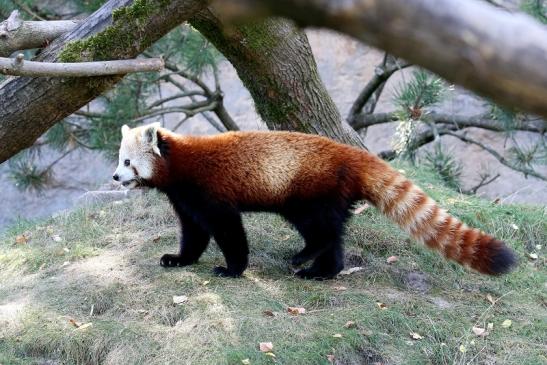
column 275, row 62
column 30, row 106
column 497, row 54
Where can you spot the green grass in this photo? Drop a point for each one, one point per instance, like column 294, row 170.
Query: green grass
column 105, row 271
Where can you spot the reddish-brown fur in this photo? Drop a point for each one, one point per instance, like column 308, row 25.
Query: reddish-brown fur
column 268, row 168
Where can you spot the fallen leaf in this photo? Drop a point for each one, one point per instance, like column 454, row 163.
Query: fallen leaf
column 381, row 305
column 85, row 325
column 339, row 288
column 206, row 282
column 416, row 336
column 533, row 256
column 246, row 362
column 268, row 313
column 331, row 358
column 490, row 326
column 351, row 270
column 179, row 299
column 497, row 201
column 56, row 238
column 337, row 335
column 265, row 346
column 360, row 209
column 74, row 323
column 22, row 239
column 479, row 331
column 392, row 259
column 507, row 323
column 142, row 311
column 156, row 239
column 296, row 310
column 514, row 226
column 538, row 247
column 350, row 324
column 66, row 263
column 271, row 354
column 490, row 299
column 462, row 349
column 286, row 237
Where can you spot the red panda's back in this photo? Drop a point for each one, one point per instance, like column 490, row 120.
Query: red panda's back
column 267, row 168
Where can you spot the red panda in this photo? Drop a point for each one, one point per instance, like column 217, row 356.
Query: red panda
column 311, row 181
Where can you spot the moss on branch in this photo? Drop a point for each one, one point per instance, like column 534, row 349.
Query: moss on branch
column 125, row 34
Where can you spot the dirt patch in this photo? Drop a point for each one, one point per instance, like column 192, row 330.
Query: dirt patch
column 416, row 281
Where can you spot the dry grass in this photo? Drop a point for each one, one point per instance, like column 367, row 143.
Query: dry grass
column 105, row 271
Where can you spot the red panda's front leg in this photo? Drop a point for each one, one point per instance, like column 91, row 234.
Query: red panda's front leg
column 231, row 239
column 193, row 241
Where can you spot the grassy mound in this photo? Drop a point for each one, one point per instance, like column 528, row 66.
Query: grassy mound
column 99, row 266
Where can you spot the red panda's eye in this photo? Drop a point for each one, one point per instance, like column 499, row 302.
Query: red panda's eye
column 126, row 162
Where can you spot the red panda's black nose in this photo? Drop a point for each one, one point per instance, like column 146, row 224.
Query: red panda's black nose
column 116, row 177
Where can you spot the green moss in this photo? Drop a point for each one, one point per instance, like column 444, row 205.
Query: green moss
column 116, row 40
column 259, row 35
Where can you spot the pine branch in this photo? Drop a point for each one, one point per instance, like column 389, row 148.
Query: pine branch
column 175, row 96
column 19, row 67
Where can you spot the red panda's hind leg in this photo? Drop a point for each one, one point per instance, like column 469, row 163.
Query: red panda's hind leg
column 321, row 224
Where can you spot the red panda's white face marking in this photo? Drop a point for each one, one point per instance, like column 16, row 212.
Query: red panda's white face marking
column 136, row 156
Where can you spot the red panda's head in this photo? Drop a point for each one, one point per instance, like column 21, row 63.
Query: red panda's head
column 139, row 153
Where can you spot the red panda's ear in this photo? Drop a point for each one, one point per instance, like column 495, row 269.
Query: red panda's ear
column 125, row 129
column 150, row 137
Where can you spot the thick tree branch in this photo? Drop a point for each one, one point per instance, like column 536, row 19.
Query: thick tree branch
column 16, row 34
column 470, row 43
column 30, row 106
column 18, row 67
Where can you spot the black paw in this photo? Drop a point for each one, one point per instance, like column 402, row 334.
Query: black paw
column 169, row 260
column 315, row 274
column 298, row 260
column 225, row 273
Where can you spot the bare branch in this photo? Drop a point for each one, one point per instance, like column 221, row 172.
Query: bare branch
column 483, row 121
column 210, row 119
column 499, row 157
column 189, row 110
column 366, row 120
column 175, row 96
column 220, row 111
column 470, row 43
column 382, row 73
column 484, row 181
column 19, row 67
column 16, row 35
